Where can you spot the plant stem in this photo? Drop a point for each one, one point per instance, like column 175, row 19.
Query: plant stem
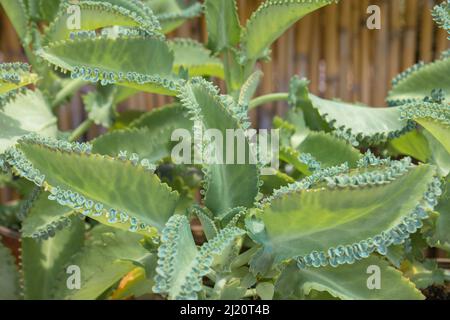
column 267, row 98
column 67, row 90
column 82, row 128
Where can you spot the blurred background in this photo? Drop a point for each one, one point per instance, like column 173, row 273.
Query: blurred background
column 332, row 47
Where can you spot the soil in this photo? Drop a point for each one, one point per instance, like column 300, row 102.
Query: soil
column 437, row 292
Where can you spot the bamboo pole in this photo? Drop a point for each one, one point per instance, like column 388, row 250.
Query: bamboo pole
column 381, row 58
column 345, row 33
column 426, row 31
column 394, row 38
column 365, row 57
column 410, row 33
column 331, row 49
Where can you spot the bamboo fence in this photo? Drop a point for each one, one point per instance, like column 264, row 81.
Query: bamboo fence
column 332, row 47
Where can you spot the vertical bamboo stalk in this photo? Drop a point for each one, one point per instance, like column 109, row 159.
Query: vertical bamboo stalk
column 302, row 45
column 344, row 49
column 331, row 50
column 365, row 56
column 394, row 38
column 410, row 34
column 315, row 53
column 381, row 59
column 356, row 52
column 426, row 32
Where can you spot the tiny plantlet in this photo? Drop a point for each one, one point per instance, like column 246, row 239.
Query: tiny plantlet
column 345, row 202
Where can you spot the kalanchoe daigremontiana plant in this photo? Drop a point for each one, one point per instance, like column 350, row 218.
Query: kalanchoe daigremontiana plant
column 357, row 188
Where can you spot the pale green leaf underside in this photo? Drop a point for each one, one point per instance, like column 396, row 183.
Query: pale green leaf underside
column 194, row 57
column 418, row 82
column 42, row 261
column 318, row 219
column 348, row 282
column 9, row 276
column 116, row 184
column 104, row 260
column 26, row 113
column 271, row 20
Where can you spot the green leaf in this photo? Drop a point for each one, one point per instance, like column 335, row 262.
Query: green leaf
column 434, row 116
column 262, row 29
column 265, row 290
column 9, row 276
column 412, row 144
column 329, row 150
column 113, row 13
column 46, row 218
column 194, row 57
column 302, row 109
column 439, row 130
column 249, row 88
column 439, row 156
column 43, row 260
column 18, row 15
column 149, row 136
column 349, row 282
column 173, row 13
column 440, row 236
column 208, row 225
column 123, row 193
column 106, row 258
column 424, row 274
column 27, row 112
column 360, row 123
column 134, row 61
column 417, row 82
column 101, row 105
column 14, row 76
column 227, row 185
column 353, row 215
column 181, row 266
column 224, row 30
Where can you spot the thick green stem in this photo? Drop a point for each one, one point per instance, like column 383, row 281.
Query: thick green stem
column 82, row 129
column 67, row 90
column 267, row 99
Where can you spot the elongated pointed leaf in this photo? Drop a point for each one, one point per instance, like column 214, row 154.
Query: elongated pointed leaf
column 224, row 29
column 28, row 112
column 263, row 29
column 359, row 214
column 123, row 193
column 139, row 62
column 228, row 185
column 9, row 276
column 348, row 282
column 43, row 260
